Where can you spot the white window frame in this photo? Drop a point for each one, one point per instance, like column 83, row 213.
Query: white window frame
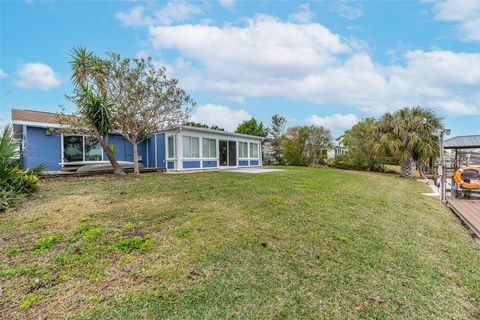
column 250, row 150
column 191, row 155
column 83, row 146
column 209, row 148
column 243, row 156
column 174, row 147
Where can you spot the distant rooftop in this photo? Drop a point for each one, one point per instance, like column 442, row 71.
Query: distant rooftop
column 34, row 116
column 463, row 142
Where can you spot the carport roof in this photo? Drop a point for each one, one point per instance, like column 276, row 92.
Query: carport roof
column 463, row 142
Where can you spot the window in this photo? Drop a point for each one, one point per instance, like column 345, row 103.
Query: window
column 209, row 148
column 191, row 147
column 253, row 150
column 243, row 150
column 81, row 148
column 93, row 150
column 171, row 146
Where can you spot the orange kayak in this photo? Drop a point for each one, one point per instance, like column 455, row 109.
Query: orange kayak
column 467, row 177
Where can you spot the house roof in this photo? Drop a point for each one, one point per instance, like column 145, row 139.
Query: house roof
column 42, row 118
column 206, row 130
column 463, row 142
column 34, row 116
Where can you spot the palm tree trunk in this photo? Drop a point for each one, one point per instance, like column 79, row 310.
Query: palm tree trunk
column 406, row 168
column 106, row 148
column 136, row 170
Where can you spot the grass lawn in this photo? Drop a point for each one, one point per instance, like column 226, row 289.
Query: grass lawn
column 302, row 243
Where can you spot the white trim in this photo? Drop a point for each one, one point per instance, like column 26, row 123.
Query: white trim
column 24, row 134
column 37, row 124
column 167, row 157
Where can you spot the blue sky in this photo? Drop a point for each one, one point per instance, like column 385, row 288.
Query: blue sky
column 328, row 63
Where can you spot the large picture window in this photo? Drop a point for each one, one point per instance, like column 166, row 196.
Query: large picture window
column 253, row 150
column 191, row 147
column 243, row 150
column 209, row 148
column 81, row 148
column 171, row 147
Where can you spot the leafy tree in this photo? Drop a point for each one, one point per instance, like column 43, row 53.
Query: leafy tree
column 306, row 145
column 196, row 124
column 202, row 125
column 93, row 114
column 409, row 135
column 144, row 100
column 360, row 141
column 277, row 130
column 252, row 127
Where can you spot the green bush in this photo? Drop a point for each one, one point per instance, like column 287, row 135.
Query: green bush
column 14, row 182
column 352, row 165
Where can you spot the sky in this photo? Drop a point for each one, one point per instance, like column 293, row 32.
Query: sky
column 329, row 63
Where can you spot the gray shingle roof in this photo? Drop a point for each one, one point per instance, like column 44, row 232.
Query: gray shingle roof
column 463, row 142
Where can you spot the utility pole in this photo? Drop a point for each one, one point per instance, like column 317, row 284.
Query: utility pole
column 443, row 178
column 443, row 192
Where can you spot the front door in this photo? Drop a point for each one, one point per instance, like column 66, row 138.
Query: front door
column 232, row 153
column 223, row 153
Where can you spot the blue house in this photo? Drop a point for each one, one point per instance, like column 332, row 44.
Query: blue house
column 180, row 148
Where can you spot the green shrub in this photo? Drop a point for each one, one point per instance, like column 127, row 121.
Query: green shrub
column 348, row 164
column 44, row 243
column 14, row 182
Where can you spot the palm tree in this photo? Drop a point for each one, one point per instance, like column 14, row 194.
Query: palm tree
column 89, row 79
column 408, row 134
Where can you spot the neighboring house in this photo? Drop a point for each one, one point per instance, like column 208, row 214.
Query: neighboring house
column 180, row 148
column 338, row 150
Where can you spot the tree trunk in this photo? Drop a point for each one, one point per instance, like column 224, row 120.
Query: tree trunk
column 421, row 169
column 106, row 148
column 136, row 170
column 406, row 168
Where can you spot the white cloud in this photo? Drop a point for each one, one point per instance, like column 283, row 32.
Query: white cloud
column 224, row 117
column 173, row 11
column 37, row 76
column 336, row 123
column 264, row 47
column 228, row 4
column 347, row 11
column 303, row 15
column 132, row 18
column 465, row 13
column 2, row 74
column 267, row 57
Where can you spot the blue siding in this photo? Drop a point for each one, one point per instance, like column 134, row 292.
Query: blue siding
column 142, row 151
column 42, row 149
column 124, row 149
column 210, row 164
column 191, row 164
column 254, row 162
column 171, row 165
column 243, row 162
column 151, row 152
column 119, row 143
column 160, row 150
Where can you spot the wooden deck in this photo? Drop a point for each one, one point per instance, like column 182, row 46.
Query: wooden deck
column 468, row 211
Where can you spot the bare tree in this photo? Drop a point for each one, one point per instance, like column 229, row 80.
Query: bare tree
column 144, row 99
